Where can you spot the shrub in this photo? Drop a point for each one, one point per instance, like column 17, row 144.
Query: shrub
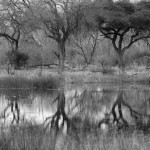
column 17, row 59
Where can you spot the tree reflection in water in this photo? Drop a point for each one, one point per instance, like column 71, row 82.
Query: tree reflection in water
column 84, row 108
column 94, row 109
column 60, row 114
column 12, row 109
column 24, row 107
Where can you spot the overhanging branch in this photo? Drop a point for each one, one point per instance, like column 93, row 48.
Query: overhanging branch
column 107, row 35
column 8, row 37
column 135, row 40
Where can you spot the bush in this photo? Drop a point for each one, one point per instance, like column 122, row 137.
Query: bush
column 17, row 59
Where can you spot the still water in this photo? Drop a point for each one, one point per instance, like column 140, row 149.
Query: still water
column 97, row 105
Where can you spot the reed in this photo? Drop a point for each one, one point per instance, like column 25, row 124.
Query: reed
column 29, row 83
column 35, row 138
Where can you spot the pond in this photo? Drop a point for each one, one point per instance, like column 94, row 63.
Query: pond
column 78, row 107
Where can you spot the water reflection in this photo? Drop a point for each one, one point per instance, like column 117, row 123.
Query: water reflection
column 59, row 118
column 20, row 106
column 79, row 107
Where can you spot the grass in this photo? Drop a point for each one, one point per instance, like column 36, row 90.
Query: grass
column 35, row 138
column 90, row 77
column 29, row 83
column 52, row 82
column 50, row 78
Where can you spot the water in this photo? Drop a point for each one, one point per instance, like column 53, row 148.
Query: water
column 78, row 106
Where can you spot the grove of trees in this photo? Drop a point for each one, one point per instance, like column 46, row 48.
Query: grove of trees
column 104, row 30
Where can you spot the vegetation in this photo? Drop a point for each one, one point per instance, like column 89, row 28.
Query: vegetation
column 13, row 26
column 86, row 41
column 122, row 22
column 27, row 137
column 58, row 21
column 17, row 58
column 18, row 82
column 78, row 33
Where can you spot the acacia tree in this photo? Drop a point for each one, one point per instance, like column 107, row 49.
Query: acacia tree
column 122, row 22
column 59, row 19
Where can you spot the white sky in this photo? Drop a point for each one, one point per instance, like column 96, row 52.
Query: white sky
column 131, row 0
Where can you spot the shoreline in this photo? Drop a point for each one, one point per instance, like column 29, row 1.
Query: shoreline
column 50, row 78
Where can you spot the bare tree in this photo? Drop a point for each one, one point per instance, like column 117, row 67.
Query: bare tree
column 86, row 46
column 59, row 19
column 13, row 24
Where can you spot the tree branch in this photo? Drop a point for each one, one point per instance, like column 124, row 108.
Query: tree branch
column 132, row 40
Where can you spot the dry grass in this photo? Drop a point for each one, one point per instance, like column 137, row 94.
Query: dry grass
column 50, row 78
column 29, row 83
column 89, row 77
column 34, row 138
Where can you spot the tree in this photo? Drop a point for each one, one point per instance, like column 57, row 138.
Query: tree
column 13, row 25
column 122, row 22
column 59, row 19
column 86, row 45
column 19, row 58
column 39, row 40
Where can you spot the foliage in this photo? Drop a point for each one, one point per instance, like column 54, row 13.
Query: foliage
column 16, row 57
column 58, row 20
column 86, row 45
column 13, row 22
column 122, row 22
column 32, row 137
column 38, row 83
column 106, row 60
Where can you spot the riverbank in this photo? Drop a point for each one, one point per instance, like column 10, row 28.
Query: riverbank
column 49, row 79
column 23, row 82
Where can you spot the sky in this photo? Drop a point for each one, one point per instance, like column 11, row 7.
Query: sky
column 131, row 0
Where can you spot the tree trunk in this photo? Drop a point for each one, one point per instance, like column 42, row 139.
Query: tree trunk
column 15, row 50
column 121, row 63
column 61, row 50
column 121, row 67
column 42, row 58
